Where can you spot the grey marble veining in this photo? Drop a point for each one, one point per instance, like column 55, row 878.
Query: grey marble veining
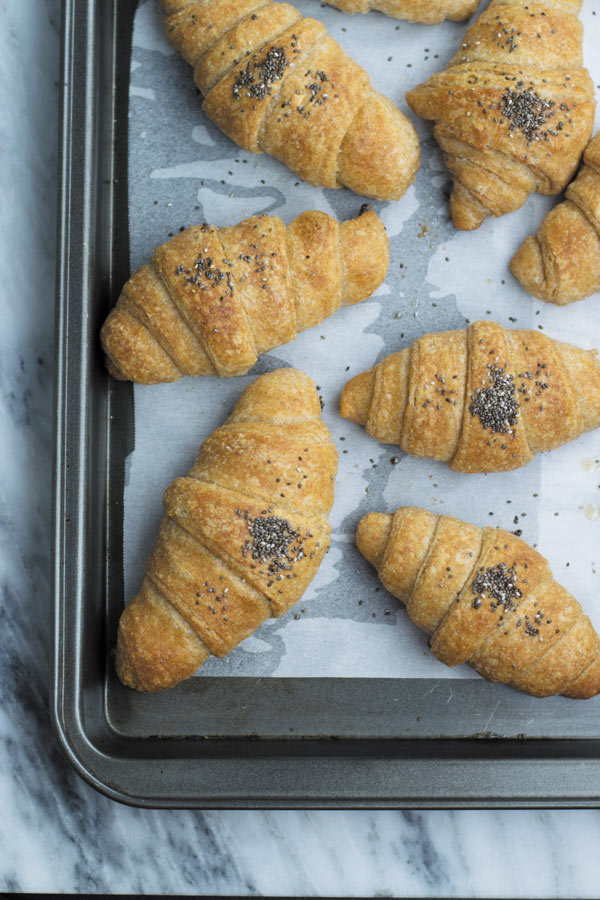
column 57, row 833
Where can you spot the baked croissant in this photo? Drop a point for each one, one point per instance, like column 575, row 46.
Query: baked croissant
column 482, row 400
column 275, row 82
column 213, row 299
column 513, row 110
column 561, row 263
column 428, row 12
column 243, row 535
column 485, row 598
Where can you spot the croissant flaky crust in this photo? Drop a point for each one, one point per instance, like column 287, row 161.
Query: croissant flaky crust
column 242, row 538
column 213, row 299
column 485, row 598
column 428, row 12
column 561, row 263
column 514, row 110
column 483, row 400
column 274, row 81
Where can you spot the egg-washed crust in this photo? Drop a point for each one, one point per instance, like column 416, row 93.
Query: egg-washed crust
column 485, row 597
column 482, row 400
column 243, row 535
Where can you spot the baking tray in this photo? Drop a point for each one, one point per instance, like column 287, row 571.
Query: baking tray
column 232, row 742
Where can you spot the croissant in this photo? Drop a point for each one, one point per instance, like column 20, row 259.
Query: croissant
column 275, row 82
column 485, row 598
column 213, row 299
column 513, row 110
column 482, row 400
column 428, row 12
column 561, row 263
column 242, row 537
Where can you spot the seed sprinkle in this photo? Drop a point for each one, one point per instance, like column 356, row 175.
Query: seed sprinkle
column 498, row 583
column 528, row 112
column 205, row 270
column 496, row 404
column 257, row 77
column 274, row 541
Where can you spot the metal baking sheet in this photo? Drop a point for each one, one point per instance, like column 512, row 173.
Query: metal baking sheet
column 222, row 741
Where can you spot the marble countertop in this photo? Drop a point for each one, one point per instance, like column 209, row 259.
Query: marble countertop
column 56, row 832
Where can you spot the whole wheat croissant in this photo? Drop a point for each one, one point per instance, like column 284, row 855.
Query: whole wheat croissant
column 513, row 110
column 486, row 598
column 561, row 263
column 243, row 534
column 482, row 400
column 276, row 82
column 429, row 12
column 213, row 299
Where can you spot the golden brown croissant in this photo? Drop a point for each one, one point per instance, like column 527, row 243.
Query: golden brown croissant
column 429, row 12
column 276, row 82
column 513, row 110
column 482, row 400
column 243, row 534
column 486, row 598
column 214, row 299
column 561, row 263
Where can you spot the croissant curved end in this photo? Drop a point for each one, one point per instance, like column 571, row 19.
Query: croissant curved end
column 527, row 265
column 587, row 685
column 125, row 666
column 278, row 395
column 467, row 214
column 356, row 396
column 380, row 131
column 372, row 536
column 132, row 353
column 365, row 249
column 156, row 648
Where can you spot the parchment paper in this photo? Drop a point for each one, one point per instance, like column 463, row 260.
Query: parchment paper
column 184, row 171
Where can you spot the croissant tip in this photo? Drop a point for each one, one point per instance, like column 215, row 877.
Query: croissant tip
column 527, row 265
column 356, row 397
column 288, row 380
column 372, row 535
column 113, row 370
column 464, row 216
column 379, row 131
column 411, row 97
column 124, row 665
column 588, row 683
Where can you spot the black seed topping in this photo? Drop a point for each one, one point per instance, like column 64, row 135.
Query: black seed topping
column 527, row 112
column 499, row 584
column 274, row 541
column 206, row 271
column 257, row 77
column 496, row 404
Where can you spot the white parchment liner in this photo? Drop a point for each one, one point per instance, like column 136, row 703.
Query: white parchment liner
column 183, row 171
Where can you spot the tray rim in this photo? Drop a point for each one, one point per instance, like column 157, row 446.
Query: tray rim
column 384, row 774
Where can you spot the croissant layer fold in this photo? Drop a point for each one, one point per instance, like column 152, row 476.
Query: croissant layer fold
column 514, row 110
column 482, row 400
column 486, row 598
column 242, row 537
column 276, row 82
column 213, row 299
